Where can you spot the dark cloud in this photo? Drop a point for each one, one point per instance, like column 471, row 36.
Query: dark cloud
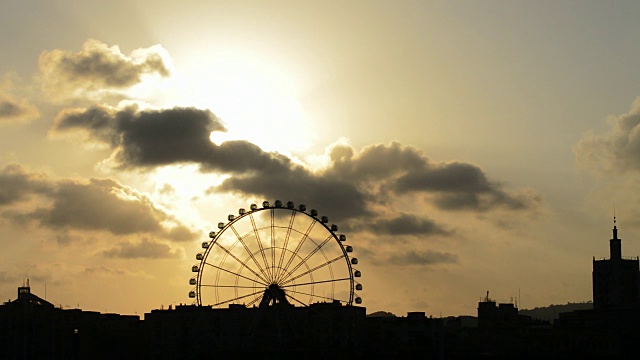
column 375, row 162
column 151, row 138
column 422, row 258
column 9, row 109
column 96, row 122
column 446, row 177
column 15, row 110
column 458, row 186
column 355, row 181
column 338, row 198
column 407, row 224
column 347, row 188
column 98, row 66
column 17, row 184
column 616, row 151
column 145, row 249
column 99, row 204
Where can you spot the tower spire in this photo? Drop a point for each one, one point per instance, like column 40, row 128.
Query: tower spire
column 615, row 244
column 615, row 228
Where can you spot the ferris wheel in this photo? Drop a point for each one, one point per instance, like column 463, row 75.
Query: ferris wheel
column 275, row 254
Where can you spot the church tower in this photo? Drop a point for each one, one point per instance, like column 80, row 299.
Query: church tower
column 616, row 281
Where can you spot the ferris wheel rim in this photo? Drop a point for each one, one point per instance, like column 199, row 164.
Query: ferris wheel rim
column 276, row 271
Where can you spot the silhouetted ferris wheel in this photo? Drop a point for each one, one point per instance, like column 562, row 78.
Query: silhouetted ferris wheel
column 275, row 254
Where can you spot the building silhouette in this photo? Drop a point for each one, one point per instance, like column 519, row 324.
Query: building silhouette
column 33, row 328
column 616, row 281
column 612, row 327
column 492, row 315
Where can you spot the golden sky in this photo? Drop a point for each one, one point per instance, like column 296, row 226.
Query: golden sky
column 463, row 146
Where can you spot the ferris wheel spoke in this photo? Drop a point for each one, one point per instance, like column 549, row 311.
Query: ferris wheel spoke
column 229, row 286
column 238, row 298
column 330, row 271
column 258, row 298
column 315, row 282
column 307, row 258
column 235, row 273
column 298, row 301
column 257, row 235
column 286, row 242
column 312, row 270
column 246, row 248
column 295, row 252
column 241, row 262
column 273, row 244
column 314, row 295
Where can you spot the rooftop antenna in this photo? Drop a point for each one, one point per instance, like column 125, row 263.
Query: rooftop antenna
column 615, row 228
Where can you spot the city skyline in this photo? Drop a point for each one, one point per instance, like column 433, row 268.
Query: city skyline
column 462, row 147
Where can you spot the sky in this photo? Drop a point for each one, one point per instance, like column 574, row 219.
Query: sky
column 463, row 147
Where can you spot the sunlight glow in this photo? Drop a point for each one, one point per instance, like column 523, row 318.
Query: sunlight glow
column 256, row 99
column 180, row 190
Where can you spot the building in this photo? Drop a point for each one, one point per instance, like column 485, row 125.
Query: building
column 492, row 315
column 33, row 328
column 320, row 330
column 616, row 281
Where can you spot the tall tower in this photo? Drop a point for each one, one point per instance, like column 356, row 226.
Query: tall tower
column 615, row 244
column 616, row 281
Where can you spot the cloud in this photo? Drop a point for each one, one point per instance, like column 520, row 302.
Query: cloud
column 616, row 151
column 16, row 184
column 375, row 162
column 348, row 187
column 100, row 205
column 110, row 272
column 423, row 258
column 461, row 186
column 98, row 67
column 407, row 224
column 145, row 249
column 379, row 174
column 93, row 205
column 150, row 138
column 12, row 108
column 338, row 198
